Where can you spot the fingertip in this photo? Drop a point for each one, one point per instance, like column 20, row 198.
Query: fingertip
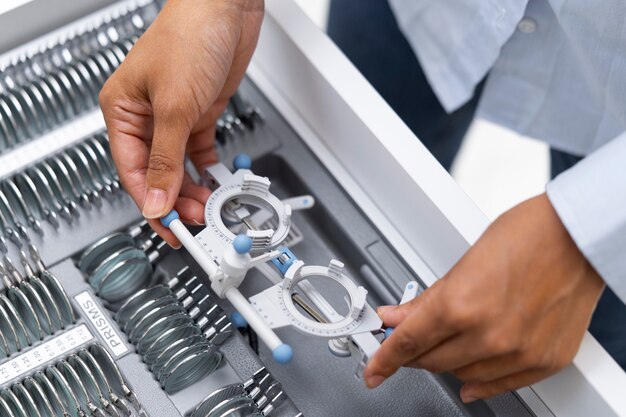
column 170, row 239
column 377, row 367
column 392, row 317
column 374, row 381
column 371, row 376
column 382, row 310
column 467, row 394
column 175, row 246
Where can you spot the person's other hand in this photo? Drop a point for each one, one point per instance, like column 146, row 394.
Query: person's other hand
column 512, row 311
column 164, row 100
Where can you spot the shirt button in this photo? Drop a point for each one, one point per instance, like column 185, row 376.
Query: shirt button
column 527, row 25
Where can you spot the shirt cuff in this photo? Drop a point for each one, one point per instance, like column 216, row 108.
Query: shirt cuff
column 590, row 199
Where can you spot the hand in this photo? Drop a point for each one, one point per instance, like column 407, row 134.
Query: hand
column 165, row 98
column 511, row 312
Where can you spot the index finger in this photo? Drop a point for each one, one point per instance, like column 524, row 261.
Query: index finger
column 421, row 330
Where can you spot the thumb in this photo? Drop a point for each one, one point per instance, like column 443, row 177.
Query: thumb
column 165, row 165
column 393, row 315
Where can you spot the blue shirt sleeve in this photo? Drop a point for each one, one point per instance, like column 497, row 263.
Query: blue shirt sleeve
column 590, row 199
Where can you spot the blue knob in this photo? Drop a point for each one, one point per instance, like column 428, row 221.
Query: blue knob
column 283, row 353
column 237, row 319
column 169, row 218
column 242, row 244
column 242, row 161
column 388, row 332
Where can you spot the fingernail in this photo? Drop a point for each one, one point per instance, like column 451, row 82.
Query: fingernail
column 176, row 246
column 467, row 398
column 197, row 223
column 374, row 380
column 154, row 205
column 385, row 309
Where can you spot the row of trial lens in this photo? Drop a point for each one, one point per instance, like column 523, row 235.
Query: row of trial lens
column 80, row 175
column 122, row 263
column 121, row 23
column 175, row 326
column 47, row 102
column 32, row 306
column 87, row 382
column 260, row 396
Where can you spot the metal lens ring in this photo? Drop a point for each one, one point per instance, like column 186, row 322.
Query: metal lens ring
column 5, row 135
column 31, row 408
column 109, row 262
column 152, row 317
column 5, row 350
column 60, row 297
column 40, row 307
column 14, row 403
column 51, row 394
column 142, row 311
column 67, row 180
column 90, row 383
column 130, row 306
column 176, row 348
column 33, row 199
column 253, row 191
column 99, row 156
column 217, row 398
column 41, row 107
column 95, row 165
column 194, row 345
column 243, row 410
column 85, row 168
column 109, row 368
column 97, row 252
column 23, row 210
column 66, row 92
column 13, row 130
column 22, row 336
column 167, row 338
column 125, row 278
column 10, row 213
column 159, row 327
column 88, row 195
column 23, row 131
column 26, row 312
column 9, row 331
column 231, row 405
column 5, row 409
column 49, row 303
column 38, row 395
column 98, row 373
column 191, row 369
column 44, row 190
column 37, row 125
column 65, row 390
column 335, row 328
column 77, row 384
column 60, row 192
